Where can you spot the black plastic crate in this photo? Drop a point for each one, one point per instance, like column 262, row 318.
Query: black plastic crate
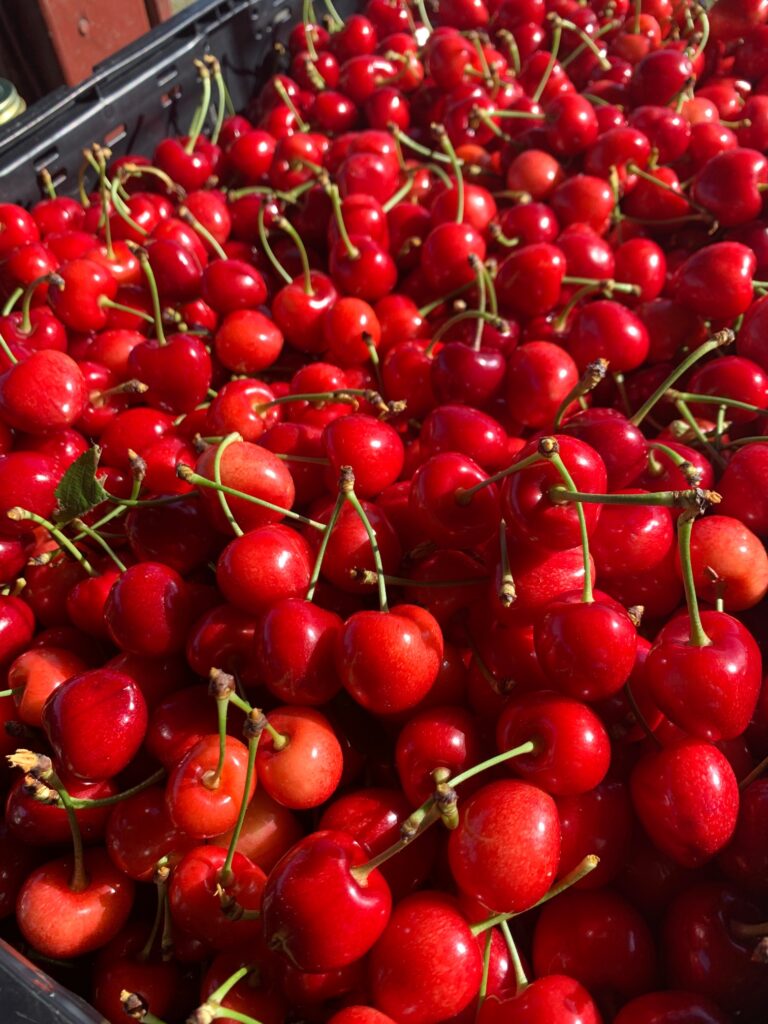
column 144, row 93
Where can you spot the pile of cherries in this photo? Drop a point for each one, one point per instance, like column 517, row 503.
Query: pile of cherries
column 383, row 496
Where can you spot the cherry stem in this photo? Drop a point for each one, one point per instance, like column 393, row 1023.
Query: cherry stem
column 587, row 865
column 465, row 494
column 29, row 294
column 718, row 340
column 477, row 266
column 279, row 740
column 507, row 591
column 100, row 156
column 426, row 815
column 370, row 578
column 467, row 314
column 447, row 147
column 241, row 1018
column 13, row 298
column 421, row 10
column 689, row 471
column 348, row 395
column 561, row 320
column 607, row 285
column 682, row 407
column 554, row 50
column 529, row 747
column 111, row 304
column 398, row 196
column 20, row 514
column 185, row 214
column 521, row 981
column 702, row 16
column 157, row 310
column 6, row 350
column 121, row 209
column 668, row 499
column 332, row 191
column 731, row 403
column 556, row 459
column 221, row 91
column 228, row 514
column 430, row 307
column 202, row 111
column 698, row 636
column 226, row 987
column 586, row 41
column 212, row 780
column 641, row 717
column 756, row 772
column 88, row 531
column 341, row 500
column 430, row 154
column 501, row 239
column 577, row 52
column 277, row 265
column 483, row 990
column 282, row 92
column 161, row 880
column 592, row 376
column 255, row 724
column 285, row 225
column 82, row 803
column 354, row 501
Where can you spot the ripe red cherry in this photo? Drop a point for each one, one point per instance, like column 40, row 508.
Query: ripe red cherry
column 655, row 1006
column 426, row 937
column 586, row 649
column 687, row 799
column 529, row 280
column 303, row 768
column 445, row 255
column 606, row 329
column 598, row 822
column 744, row 858
column 709, row 691
column 599, row 939
column 40, row 824
column 140, row 832
column 736, row 555
column 554, row 999
column 716, row 281
column 177, row 373
column 371, row 447
column 78, row 301
column 734, row 377
column 96, row 722
column 294, row 652
column 506, row 849
column 29, row 480
column 44, row 392
column 388, row 661
column 315, row 875
column 618, row 442
column 148, row 610
column 539, row 376
column 448, row 520
column 571, row 752
column 528, row 505
column 263, row 566
column 728, row 186
column 442, row 737
column 199, row 805
column 38, row 672
column 246, row 467
column 62, row 923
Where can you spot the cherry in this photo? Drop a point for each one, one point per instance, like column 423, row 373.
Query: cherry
column 388, row 661
column 203, row 794
column 245, row 467
column 78, row 297
column 725, row 675
column 741, row 487
column 605, row 329
column 349, row 548
column 462, row 374
column 728, row 186
column 506, row 849
column 529, row 280
column 687, row 799
column 316, row 874
column 263, row 566
column 175, row 532
column 540, row 374
column 728, row 559
column 442, row 737
column 599, row 939
column 294, row 651
column 35, row 674
column 300, row 764
column 29, row 480
column 371, row 447
column 148, row 610
column 555, row 998
column 140, row 833
column 571, row 750
column 656, row 1006
column 157, row 364
column 743, row 859
column 466, row 430
column 449, row 520
column 734, row 377
column 96, row 722
column 716, row 281
column 195, row 898
column 37, row 823
column 425, row 937
column 601, row 822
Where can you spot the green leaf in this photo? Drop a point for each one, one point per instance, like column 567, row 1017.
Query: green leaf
column 79, row 490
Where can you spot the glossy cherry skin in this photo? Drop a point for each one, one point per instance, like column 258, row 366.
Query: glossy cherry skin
column 195, row 807
column 140, row 832
column 264, row 566
column 96, row 722
column 586, row 650
column 195, row 903
column 618, row 442
column 294, row 652
column 373, row 817
column 433, row 499
column 37, row 823
column 469, row 431
column 716, row 281
column 599, row 822
column 554, row 999
column 711, row 692
column 606, row 329
column 704, row 954
column 246, row 467
column 728, row 186
column 737, row 556
column 599, row 939
column 148, row 610
column 371, row 447
column 745, row 857
column 670, row 1008
column 61, row 923
column 388, row 661
column 307, row 770
column 39, row 672
column 426, row 933
column 178, row 372
column 539, row 376
column 741, row 486
column 360, row 1015
column 446, row 737
column 526, row 499
column 506, row 849
column 316, row 878
column 78, row 300
column 46, row 391
column 687, row 798
column 571, row 752
column 529, row 280
column 27, row 480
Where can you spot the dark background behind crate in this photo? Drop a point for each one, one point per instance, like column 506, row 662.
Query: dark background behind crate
column 143, row 93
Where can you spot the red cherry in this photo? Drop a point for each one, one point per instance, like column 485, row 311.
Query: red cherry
column 198, row 804
column 656, row 1006
column 263, row 566
column 303, row 768
column 148, row 610
column 555, row 999
column 295, row 649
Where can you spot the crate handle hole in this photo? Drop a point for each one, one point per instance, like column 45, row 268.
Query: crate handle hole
column 117, row 134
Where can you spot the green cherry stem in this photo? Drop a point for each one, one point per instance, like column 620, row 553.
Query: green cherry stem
column 228, row 514
column 255, row 724
column 467, row 314
column 483, row 990
column 698, row 636
column 447, row 147
column 332, row 191
column 97, row 538
column 521, row 981
column 346, row 481
column 285, row 225
column 554, row 49
column 221, row 91
column 477, row 266
column 528, row 747
column 270, row 253
column 557, row 461
column 11, row 301
column 185, row 214
column 28, row 296
column 212, row 779
column 592, row 376
column 354, row 501
column 730, row 403
column 81, row 803
column 202, row 111
column 282, row 92
column 718, row 340
column 157, row 310
column 19, row 515
column 667, row 499
column 465, row 494
column 588, row 864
